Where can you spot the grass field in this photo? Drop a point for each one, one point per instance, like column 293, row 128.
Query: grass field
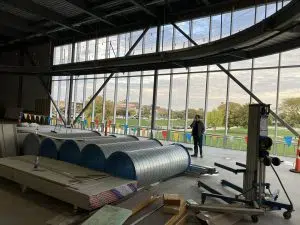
column 215, row 138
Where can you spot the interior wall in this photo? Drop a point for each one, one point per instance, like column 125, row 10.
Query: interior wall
column 30, row 87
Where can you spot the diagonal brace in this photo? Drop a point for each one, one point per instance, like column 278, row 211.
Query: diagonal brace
column 33, row 63
column 289, row 127
column 111, row 75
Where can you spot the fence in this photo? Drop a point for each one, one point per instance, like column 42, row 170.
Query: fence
column 279, row 146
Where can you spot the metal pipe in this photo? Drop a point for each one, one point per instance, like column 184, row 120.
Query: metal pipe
column 112, row 74
column 155, row 83
column 94, row 156
column 70, row 150
column 148, row 166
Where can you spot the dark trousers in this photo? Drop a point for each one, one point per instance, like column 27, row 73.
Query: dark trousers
column 198, row 140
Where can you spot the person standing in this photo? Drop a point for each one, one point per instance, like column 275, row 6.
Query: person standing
column 198, row 130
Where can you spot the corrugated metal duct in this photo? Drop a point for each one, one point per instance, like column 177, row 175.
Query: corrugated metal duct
column 93, row 156
column 148, row 166
column 31, row 144
column 75, row 135
column 50, row 145
column 70, row 150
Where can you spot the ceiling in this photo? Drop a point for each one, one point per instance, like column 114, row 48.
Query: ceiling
column 25, row 21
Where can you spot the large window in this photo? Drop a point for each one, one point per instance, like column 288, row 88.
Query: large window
column 147, row 97
column 178, row 99
column 163, row 92
column 184, row 92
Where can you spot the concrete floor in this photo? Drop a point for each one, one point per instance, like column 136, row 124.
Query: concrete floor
column 32, row 208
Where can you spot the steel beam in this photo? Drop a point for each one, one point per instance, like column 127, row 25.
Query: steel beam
column 15, row 22
column 243, row 87
column 142, row 7
column 112, row 74
column 42, row 11
column 80, row 4
column 52, row 100
column 155, row 84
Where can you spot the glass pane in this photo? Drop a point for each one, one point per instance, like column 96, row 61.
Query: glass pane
column 267, row 61
column 180, row 40
column 121, row 102
column 201, row 30
column 91, row 49
column 260, row 13
column 265, row 85
column 178, row 102
column 242, row 19
column 124, row 43
column 138, row 48
column 56, row 55
column 101, row 48
column 289, row 105
column 150, row 40
column 271, row 9
column 196, row 96
column 167, row 37
column 89, row 95
column 110, row 96
column 163, row 89
column 146, row 107
column 243, row 64
column 99, row 100
column 79, row 97
column 216, row 101
column 133, row 104
column 112, row 46
column 290, row 57
column 215, row 27
column 226, row 20
column 238, row 110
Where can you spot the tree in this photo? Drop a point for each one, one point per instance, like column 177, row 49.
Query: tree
column 121, row 112
column 233, row 114
column 215, row 118
column 146, row 111
column 290, row 111
column 193, row 112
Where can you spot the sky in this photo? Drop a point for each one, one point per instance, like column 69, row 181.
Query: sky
column 264, row 82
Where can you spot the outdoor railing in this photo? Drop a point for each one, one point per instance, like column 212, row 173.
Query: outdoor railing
column 279, row 147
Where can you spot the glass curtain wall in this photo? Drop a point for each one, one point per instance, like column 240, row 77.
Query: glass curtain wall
column 185, row 92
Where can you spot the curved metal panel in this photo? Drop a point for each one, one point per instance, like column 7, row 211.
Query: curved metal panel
column 94, row 156
column 148, row 166
column 70, row 150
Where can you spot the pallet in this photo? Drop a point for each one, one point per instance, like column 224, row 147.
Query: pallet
column 81, row 187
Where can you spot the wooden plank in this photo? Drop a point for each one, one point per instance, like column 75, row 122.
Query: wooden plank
column 172, row 199
column 230, row 209
column 111, row 215
column 144, row 204
column 175, row 218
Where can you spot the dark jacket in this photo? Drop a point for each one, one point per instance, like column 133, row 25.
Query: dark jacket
column 197, row 128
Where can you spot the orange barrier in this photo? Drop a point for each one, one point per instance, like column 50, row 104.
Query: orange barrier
column 297, row 163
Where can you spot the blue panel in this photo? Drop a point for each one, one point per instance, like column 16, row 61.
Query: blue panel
column 48, row 148
column 119, row 164
column 92, row 157
column 69, row 152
